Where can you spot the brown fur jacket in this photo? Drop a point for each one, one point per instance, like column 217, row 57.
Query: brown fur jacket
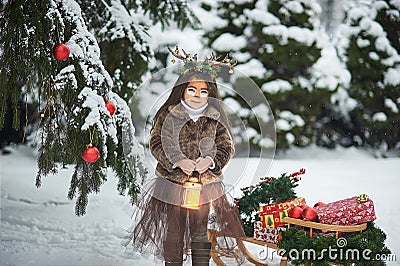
column 176, row 136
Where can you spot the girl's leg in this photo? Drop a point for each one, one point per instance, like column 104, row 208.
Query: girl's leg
column 200, row 245
column 173, row 244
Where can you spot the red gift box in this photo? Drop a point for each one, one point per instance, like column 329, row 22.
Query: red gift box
column 271, row 215
column 351, row 211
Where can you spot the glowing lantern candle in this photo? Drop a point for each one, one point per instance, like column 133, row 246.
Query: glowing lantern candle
column 191, row 193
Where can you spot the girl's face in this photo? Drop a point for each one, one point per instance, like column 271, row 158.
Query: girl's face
column 196, row 94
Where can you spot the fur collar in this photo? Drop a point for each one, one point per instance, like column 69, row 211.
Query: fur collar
column 180, row 112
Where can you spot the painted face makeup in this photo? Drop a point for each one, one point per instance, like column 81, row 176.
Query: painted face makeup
column 192, row 91
column 196, row 94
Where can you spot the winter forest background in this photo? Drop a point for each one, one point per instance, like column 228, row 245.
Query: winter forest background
column 330, row 71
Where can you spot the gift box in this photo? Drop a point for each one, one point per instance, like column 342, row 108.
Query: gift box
column 271, row 215
column 270, row 235
column 351, row 211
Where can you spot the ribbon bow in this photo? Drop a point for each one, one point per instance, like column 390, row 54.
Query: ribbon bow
column 362, row 198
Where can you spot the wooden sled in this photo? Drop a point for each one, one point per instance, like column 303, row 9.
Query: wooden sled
column 326, row 227
column 213, row 235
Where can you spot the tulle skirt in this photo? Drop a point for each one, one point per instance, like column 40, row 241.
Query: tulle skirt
column 149, row 231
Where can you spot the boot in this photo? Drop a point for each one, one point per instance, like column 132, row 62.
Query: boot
column 173, row 253
column 201, row 253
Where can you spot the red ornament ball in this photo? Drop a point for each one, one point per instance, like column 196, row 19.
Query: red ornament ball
column 111, row 108
column 319, row 204
column 61, row 52
column 309, row 214
column 303, row 206
column 91, row 154
column 296, row 212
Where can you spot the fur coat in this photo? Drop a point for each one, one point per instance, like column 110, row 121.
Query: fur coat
column 176, row 136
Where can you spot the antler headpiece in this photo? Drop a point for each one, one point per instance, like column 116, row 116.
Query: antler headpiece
column 210, row 65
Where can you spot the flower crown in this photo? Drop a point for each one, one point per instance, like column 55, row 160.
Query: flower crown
column 210, row 65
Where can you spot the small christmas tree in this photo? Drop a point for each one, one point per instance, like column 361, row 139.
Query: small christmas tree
column 269, row 190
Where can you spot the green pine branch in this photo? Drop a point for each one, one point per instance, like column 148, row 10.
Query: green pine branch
column 268, row 190
column 296, row 241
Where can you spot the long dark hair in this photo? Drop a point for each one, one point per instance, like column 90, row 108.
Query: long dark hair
column 179, row 89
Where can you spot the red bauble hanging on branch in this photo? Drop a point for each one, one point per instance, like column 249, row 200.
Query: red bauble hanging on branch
column 111, row 108
column 91, row 154
column 61, row 52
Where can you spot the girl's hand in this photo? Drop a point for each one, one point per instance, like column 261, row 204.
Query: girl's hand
column 186, row 165
column 202, row 164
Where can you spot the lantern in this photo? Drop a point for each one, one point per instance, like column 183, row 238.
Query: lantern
column 191, row 193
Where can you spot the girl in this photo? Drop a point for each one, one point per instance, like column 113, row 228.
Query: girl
column 190, row 136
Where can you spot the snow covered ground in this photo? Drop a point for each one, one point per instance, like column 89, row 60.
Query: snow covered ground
column 39, row 227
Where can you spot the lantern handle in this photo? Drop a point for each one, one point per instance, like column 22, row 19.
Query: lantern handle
column 196, row 174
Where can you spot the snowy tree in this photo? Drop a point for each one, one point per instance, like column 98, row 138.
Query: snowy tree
column 71, row 95
column 278, row 43
column 121, row 28
column 331, row 14
column 368, row 43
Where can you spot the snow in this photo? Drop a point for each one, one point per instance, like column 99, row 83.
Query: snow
column 269, row 49
column 295, row 7
column 368, row 28
column 209, row 20
column 253, row 68
column 371, row 27
column 262, row 111
column 96, row 104
column 357, row 12
column 290, row 138
column 391, row 105
column 241, row 2
column 122, row 20
column 39, row 227
column 66, row 74
column 262, row 16
column 241, row 57
column 328, row 71
column 283, row 125
column 187, row 39
column 235, row 108
column 124, row 25
column 392, row 77
column 266, row 143
column 301, row 35
column 239, row 21
column 362, row 42
column 381, row 5
column 278, row 85
column 374, row 56
column 227, row 42
column 288, row 120
column 344, row 102
column 238, row 2
column 396, row 3
column 379, row 117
